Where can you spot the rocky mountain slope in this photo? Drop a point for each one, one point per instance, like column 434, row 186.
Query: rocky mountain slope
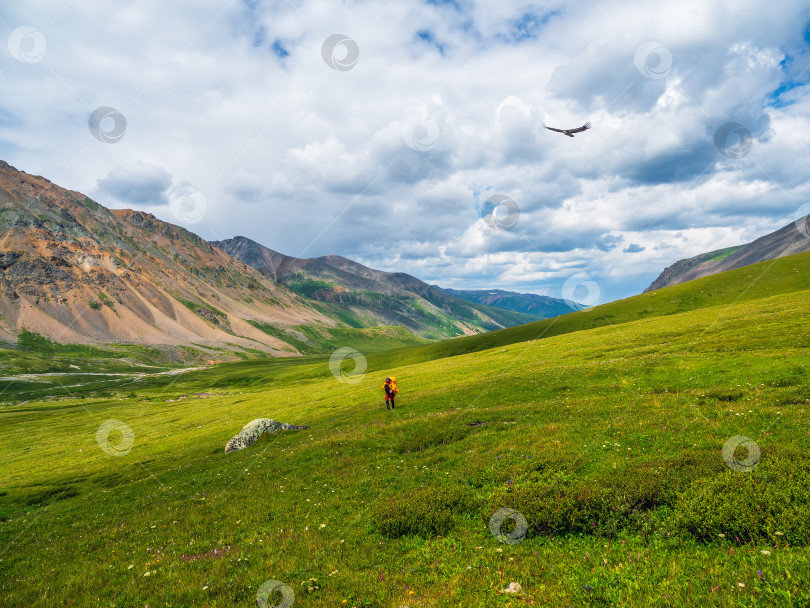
column 793, row 238
column 74, row 271
column 541, row 307
column 77, row 272
column 362, row 296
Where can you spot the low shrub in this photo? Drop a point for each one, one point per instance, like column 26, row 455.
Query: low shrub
column 558, row 500
column 425, row 512
column 421, row 438
column 774, row 497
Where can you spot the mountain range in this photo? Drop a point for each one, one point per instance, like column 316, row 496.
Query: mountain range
column 364, row 297
column 793, row 238
column 541, row 307
column 76, row 272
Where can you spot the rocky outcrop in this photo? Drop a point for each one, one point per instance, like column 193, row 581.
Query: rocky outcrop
column 255, row 429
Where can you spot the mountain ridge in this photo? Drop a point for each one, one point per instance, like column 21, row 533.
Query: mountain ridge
column 542, row 307
column 74, row 271
column 368, row 295
column 789, row 240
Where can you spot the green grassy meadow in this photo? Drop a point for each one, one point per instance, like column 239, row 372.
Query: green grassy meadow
column 604, row 428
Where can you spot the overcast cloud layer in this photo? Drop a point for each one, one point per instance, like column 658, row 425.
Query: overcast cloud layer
column 226, row 117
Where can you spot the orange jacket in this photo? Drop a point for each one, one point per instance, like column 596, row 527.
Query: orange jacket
column 393, row 386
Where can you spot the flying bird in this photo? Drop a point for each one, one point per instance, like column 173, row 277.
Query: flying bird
column 570, row 132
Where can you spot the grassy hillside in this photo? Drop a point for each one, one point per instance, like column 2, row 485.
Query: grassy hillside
column 35, row 367
column 783, row 275
column 384, row 348
column 608, row 440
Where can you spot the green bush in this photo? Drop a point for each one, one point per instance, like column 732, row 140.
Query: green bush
column 774, row 497
column 553, row 506
column 94, row 304
column 426, row 512
column 31, row 339
column 105, row 300
column 556, row 498
column 416, row 438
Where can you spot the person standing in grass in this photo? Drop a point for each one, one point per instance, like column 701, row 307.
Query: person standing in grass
column 390, row 388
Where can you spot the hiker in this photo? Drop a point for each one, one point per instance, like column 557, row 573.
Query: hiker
column 390, row 388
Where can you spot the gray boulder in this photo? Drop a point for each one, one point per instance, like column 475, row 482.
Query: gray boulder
column 255, row 429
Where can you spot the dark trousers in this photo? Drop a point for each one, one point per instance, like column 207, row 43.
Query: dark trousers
column 389, row 397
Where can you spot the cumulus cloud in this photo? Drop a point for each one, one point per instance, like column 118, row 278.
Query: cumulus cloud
column 388, row 162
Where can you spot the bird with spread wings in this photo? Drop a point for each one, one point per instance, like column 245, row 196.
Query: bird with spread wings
column 570, row 132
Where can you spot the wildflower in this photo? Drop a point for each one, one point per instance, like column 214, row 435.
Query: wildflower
column 741, row 585
column 721, row 535
column 765, row 552
column 761, row 577
column 131, row 566
column 206, row 587
column 323, row 525
column 778, row 533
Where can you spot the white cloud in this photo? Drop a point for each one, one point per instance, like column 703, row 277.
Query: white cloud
column 388, row 162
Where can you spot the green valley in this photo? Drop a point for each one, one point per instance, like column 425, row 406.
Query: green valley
column 604, row 428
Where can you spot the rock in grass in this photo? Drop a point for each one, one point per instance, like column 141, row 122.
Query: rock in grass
column 513, row 588
column 255, row 429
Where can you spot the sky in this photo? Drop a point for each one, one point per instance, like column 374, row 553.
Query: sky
column 408, row 135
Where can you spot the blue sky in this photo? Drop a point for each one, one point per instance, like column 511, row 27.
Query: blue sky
column 389, row 156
